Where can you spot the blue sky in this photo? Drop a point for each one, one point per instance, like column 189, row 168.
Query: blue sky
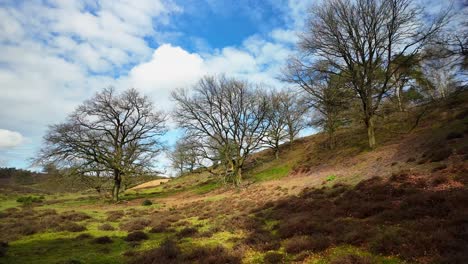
column 54, row 54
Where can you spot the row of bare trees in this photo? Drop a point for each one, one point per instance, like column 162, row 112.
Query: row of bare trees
column 226, row 119
column 354, row 57
column 369, row 52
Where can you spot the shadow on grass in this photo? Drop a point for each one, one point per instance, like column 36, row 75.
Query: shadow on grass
column 402, row 216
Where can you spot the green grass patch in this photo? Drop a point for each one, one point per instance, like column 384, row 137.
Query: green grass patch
column 339, row 253
column 206, row 188
column 274, row 173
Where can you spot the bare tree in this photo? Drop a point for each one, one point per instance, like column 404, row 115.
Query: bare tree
column 227, row 116
column 112, row 135
column 186, row 155
column 286, row 119
column 360, row 38
column 296, row 109
column 328, row 94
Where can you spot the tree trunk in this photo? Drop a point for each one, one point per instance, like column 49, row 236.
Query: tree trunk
column 370, row 130
column 398, row 91
column 117, row 182
column 277, row 153
column 237, row 176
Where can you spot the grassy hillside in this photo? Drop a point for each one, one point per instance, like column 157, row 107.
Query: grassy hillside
column 405, row 202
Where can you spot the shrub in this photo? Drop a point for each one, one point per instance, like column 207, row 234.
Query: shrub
column 439, row 179
column 71, row 261
column 168, row 253
column 136, row 236
column 102, row 240
column 212, row 255
column 114, row 216
column 135, row 224
column 273, row 257
column 159, row 228
column 71, row 227
column 352, row 259
column 83, row 236
column 387, row 242
column 106, row 227
column 331, row 178
column 187, row 232
column 146, row 203
column 439, row 167
column 3, row 248
column 454, row 135
column 298, row 244
column 440, row 154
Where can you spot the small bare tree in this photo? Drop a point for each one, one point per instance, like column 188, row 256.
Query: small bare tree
column 227, row 116
column 111, row 135
column 286, row 117
column 360, row 38
column 186, row 155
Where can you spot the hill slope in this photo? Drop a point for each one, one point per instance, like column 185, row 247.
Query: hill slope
column 406, row 201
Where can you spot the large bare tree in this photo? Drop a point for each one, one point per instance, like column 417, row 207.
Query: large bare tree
column 360, row 38
column 112, row 134
column 227, row 117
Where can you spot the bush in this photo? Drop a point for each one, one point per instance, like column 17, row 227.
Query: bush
column 146, row 203
column 136, row 236
column 440, row 154
column 106, row 227
column 439, row 179
column 135, row 224
column 273, row 258
column 3, row 248
column 187, row 232
column 440, row 167
column 454, row 135
column 212, row 255
column 352, row 259
column 102, row 240
column 83, row 236
column 159, row 228
column 388, row 242
column 168, row 253
column 71, row 227
column 298, row 244
column 114, row 216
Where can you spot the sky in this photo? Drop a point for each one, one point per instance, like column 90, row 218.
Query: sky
column 54, row 54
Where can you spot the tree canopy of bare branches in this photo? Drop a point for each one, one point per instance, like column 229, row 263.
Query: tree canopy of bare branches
column 111, row 134
column 286, row 117
column 227, row 117
column 359, row 40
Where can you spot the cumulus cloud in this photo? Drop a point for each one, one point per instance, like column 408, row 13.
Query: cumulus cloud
column 169, row 68
column 9, row 139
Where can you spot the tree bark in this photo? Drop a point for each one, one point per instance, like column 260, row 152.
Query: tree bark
column 117, row 182
column 370, row 131
column 237, row 176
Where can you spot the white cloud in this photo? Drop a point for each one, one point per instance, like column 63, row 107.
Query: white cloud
column 169, row 68
column 9, row 139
